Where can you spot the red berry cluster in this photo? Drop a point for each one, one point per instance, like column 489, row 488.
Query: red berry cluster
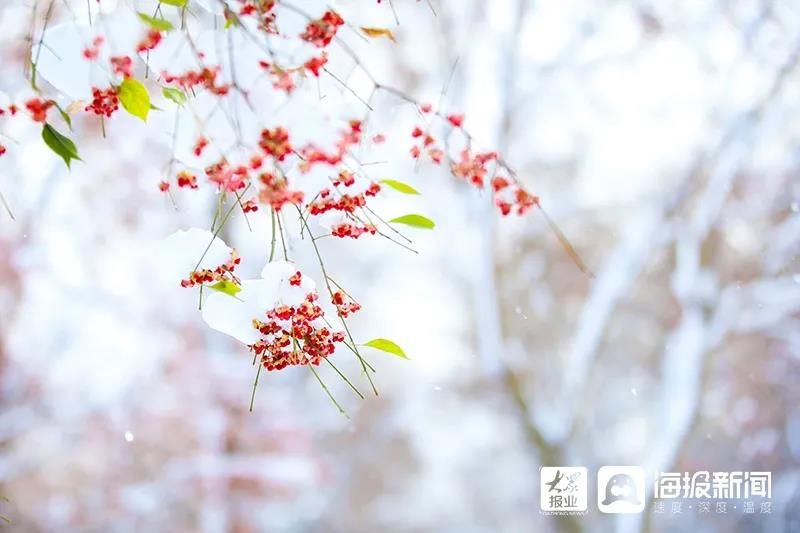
column 315, row 64
column 345, row 306
column 226, row 178
column 186, row 179
column 200, row 146
column 223, row 272
column 38, row 108
column 291, row 337
column 510, row 196
column 346, row 203
column 12, row 110
column 122, row 65
column 312, row 155
column 263, row 10
column 275, row 192
column 250, row 206
column 321, row 32
column 352, row 230
column 455, row 120
column 275, row 143
column 92, row 52
column 205, row 77
column 104, row 102
column 150, row 41
column 473, row 167
column 426, row 144
column 284, row 78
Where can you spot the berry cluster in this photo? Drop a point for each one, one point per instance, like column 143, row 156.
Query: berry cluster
column 122, row 65
column 226, row 178
column 275, row 192
column 11, row 110
column 345, row 306
column 345, row 203
column 427, row 144
column 92, row 52
column 352, row 230
column 315, row 64
column 275, row 143
column 186, row 179
column 200, row 146
column 473, row 167
column 283, row 79
column 312, row 155
column 292, row 336
column 250, row 206
column 263, row 10
column 510, row 196
column 205, row 77
column 104, row 102
column 150, row 41
column 224, row 272
column 38, row 108
column 321, row 32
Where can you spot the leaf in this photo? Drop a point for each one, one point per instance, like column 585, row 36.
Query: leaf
column 61, row 145
column 176, row 95
column 156, row 24
column 379, row 32
column 415, row 221
column 64, row 115
column 134, row 98
column 176, row 3
column 230, row 18
column 227, row 287
column 385, row 345
column 404, row 188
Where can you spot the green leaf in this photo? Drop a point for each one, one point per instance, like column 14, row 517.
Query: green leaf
column 156, row 24
column 404, row 188
column 176, row 3
column 176, row 95
column 227, row 287
column 64, row 115
column 134, row 98
column 385, row 345
column 61, row 145
column 415, row 221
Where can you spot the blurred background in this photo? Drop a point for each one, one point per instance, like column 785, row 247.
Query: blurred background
column 662, row 136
